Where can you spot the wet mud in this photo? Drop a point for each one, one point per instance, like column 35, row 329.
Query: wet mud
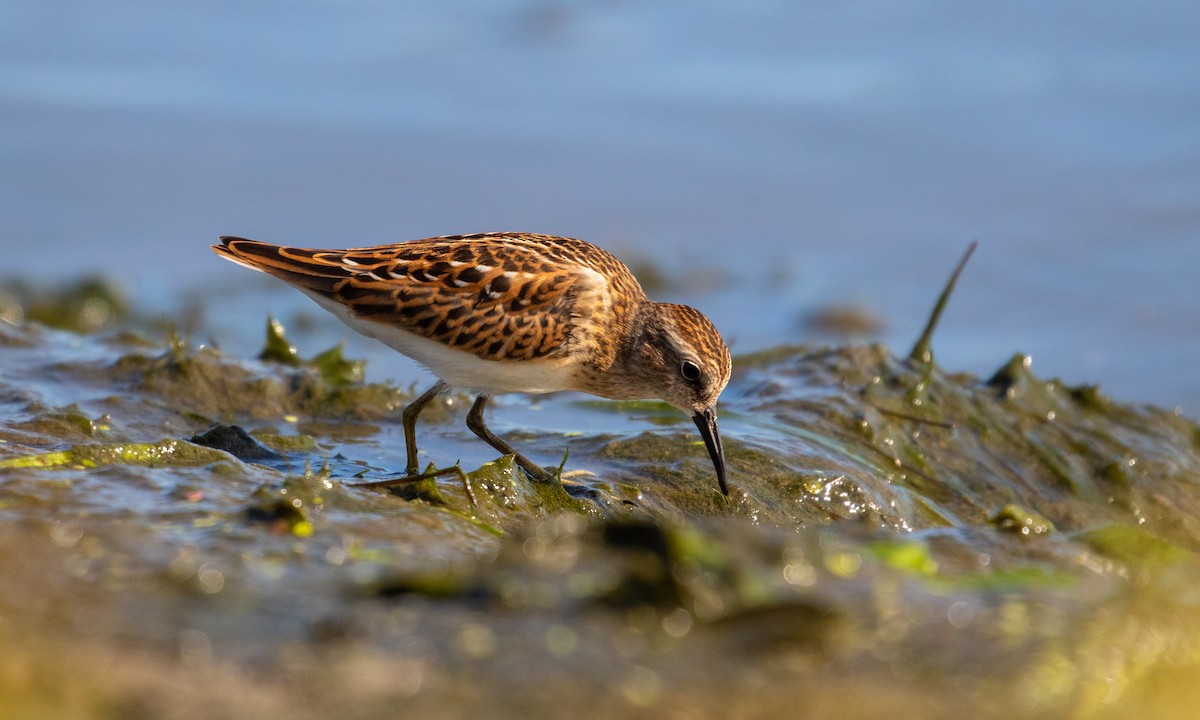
column 190, row 534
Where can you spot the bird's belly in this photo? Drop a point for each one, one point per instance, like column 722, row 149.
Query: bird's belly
column 463, row 369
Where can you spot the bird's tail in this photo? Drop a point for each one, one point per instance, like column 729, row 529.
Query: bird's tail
column 314, row 270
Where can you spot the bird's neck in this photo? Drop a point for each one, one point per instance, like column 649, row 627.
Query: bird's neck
column 626, row 370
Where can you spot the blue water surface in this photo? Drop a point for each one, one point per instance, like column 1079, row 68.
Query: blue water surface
column 771, row 158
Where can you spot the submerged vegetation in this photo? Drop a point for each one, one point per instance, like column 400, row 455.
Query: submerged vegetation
column 190, row 534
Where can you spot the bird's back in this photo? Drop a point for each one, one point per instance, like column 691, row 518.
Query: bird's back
column 497, row 296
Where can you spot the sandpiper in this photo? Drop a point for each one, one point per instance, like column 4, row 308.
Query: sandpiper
column 513, row 312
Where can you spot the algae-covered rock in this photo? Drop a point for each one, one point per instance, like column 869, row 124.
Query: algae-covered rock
column 202, row 381
column 85, row 306
column 960, row 451
column 159, row 454
column 235, row 441
column 897, row 537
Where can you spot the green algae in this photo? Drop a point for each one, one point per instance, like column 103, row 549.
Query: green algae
column 164, row 453
column 923, row 534
column 204, row 382
column 64, row 424
column 287, row 443
column 1134, row 546
column 1012, row 518
column 910, row 556
column 289, row 506
column 85, row 306
column 332, row 365
column 276, row 348
column 336, row 369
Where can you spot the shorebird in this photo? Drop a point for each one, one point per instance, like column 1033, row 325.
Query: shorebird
column 513, row 312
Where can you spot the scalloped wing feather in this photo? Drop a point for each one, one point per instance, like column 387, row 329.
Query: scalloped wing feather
column 497, row 296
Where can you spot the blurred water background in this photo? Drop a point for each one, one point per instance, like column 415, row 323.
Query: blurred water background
column 770, row 159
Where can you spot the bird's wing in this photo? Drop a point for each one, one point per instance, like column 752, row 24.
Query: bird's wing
column 497, row 296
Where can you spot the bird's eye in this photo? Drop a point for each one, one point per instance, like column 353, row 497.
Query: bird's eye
column 690, row 371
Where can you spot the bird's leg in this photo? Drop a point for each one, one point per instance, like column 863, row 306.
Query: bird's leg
column 409, row 421
column 475, row 422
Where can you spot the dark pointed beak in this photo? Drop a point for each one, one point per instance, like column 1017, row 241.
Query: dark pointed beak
column 706, row 421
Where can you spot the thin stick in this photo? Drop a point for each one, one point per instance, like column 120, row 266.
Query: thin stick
column 391, row 482
column 923, row 350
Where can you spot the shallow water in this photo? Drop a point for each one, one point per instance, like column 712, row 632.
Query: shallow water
column 1016, row 548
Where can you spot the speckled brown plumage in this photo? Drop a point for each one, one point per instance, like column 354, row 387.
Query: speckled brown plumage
column 498, row 296
column 537, row 313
